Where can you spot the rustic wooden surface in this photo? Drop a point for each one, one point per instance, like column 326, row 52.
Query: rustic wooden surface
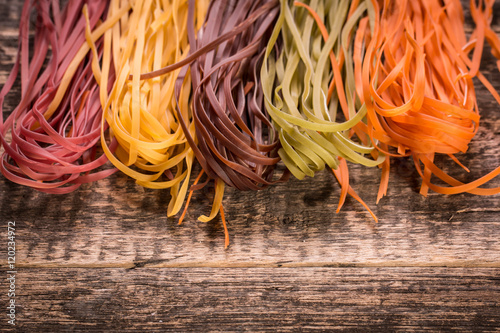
column 106, row 257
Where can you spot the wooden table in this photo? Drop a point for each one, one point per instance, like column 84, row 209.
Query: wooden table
column 106, row 257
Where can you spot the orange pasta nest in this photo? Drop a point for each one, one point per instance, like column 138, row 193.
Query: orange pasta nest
column 416, row 81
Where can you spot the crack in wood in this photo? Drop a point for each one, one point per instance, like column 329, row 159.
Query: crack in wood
column 152, row 262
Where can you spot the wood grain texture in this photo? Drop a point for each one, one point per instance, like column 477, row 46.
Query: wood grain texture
column 116, row 223
column 106, row 257
column 127, row 226
column 259, row 299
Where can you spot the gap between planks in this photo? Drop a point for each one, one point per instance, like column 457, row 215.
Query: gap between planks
column 166, row 263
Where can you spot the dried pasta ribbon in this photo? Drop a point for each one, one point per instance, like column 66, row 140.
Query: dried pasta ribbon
column 152, row 146
column 309, row 87
column 237, row 144
column 416, row 82
column 482, row 14
column 55, row 128
column 233, row 139
column 236, row 141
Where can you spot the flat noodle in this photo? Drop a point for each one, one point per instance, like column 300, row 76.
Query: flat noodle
column 55, row 127
column 416, row 83
column 482, row 15
column 308, row 79
column 235, row 142
column 237, row 145
column 152, row 147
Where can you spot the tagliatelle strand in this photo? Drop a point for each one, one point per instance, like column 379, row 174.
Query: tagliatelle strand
column 304, row 94
column 342, row 173
column 482, row 32
column 235, row 142
column 226, row 232
column 181, row 218
column 233, row 146
column 152, row 147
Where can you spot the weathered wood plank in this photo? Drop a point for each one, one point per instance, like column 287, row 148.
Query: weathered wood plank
column 258, row 299
column 116, row 223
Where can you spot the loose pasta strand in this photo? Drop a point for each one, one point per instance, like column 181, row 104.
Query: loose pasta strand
column 188, row 200
column 226, row 233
